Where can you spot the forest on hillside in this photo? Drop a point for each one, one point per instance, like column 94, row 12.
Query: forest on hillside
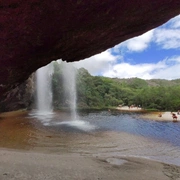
column 103, row 92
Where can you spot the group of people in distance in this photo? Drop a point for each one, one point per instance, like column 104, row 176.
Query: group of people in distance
column 174, row 116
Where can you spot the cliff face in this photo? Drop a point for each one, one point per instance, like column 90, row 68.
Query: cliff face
column 20, row 97
column 35, row 32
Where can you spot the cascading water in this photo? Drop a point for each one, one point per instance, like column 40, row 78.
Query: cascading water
column 44, row 92
column 44, row 111
column 69, row 84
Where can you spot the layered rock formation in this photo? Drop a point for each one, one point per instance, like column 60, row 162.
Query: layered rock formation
column 35, row 32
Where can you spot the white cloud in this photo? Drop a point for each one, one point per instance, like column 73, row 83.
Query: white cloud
column 160, row 70
column 168, row 38
column 106, row 63
column 126, row 70
column 168, row 35
column 98, row 63
column 175, row 59
column 137, row 44
column 140, row 43
column 175, row 22
column 171, row 72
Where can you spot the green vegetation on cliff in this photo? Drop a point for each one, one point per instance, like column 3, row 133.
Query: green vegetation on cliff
column 103, row 92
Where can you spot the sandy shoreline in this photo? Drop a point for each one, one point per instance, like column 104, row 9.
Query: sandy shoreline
column 131, row 109
column 105, row 162
column 103, row 157
column 166, row 116
column 38, row 166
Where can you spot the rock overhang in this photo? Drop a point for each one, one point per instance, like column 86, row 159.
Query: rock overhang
column 34, row 33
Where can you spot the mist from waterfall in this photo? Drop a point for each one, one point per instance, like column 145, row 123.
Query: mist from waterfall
column 69, row 85
column 44, row 90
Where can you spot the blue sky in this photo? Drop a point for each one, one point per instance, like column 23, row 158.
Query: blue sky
column 152, row 55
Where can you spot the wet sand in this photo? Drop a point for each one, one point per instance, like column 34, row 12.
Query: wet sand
column 24, row 165
column 30, row 153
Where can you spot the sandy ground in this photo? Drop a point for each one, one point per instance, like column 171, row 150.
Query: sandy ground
column 16, row 165
column 126, row 108
column 166, row 116
column 38, row 165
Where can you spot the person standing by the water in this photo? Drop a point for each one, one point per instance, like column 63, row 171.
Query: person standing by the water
column 178, row 112
column 160, row 114
column 174, row 116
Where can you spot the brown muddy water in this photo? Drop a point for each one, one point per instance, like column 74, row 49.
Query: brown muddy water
column 95, row 133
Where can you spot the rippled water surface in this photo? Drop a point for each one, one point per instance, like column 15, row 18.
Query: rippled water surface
column 133, row 124
column 98, row 133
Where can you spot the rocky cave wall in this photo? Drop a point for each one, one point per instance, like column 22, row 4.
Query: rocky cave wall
column 35, row 32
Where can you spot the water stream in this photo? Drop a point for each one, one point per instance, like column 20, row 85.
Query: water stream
column 44, row 111
column 44, row 91
column 69, row 85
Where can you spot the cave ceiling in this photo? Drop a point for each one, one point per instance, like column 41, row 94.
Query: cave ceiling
column 35, row 32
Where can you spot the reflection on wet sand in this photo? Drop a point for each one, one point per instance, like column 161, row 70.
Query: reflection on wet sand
column 15, row 130
column 19, row 131
column 58, row 149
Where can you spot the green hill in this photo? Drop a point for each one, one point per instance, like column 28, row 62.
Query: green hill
column 103, row 92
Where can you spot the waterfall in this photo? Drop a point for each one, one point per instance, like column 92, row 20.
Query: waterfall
column 69, row 84
column 44, row 91
column 44, row 111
